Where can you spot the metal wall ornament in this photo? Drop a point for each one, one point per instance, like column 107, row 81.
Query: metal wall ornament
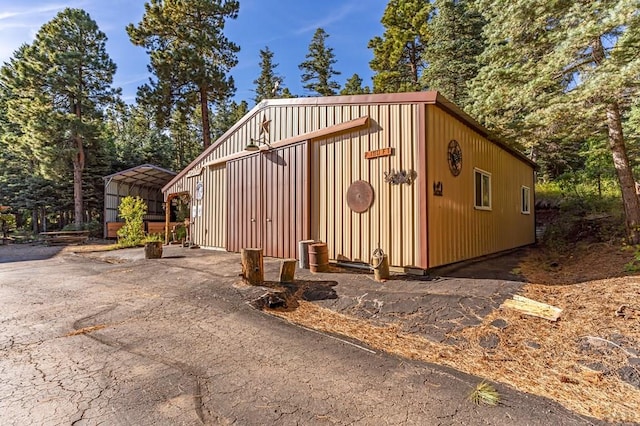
column 454, row 157
column 437, row 189
column 199, row 190
column 399, row 177
column 360, row 196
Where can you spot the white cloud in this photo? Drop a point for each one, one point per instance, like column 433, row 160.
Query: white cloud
column 20, row 23
column 34, row 10
column 334, row 17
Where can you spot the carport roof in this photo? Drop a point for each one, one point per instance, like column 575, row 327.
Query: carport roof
column 143, row 175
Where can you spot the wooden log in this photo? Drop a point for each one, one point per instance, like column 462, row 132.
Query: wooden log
column 287, row 270
column 252, row 266
column 532, row 307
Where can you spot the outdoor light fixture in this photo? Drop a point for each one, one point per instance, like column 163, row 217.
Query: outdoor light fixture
column 254, row 145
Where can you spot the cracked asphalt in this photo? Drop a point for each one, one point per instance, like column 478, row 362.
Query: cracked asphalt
column 113, row 339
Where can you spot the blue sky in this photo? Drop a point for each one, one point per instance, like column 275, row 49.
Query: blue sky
column 286, row 26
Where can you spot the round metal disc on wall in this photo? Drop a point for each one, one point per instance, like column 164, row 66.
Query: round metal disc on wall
column 360, row 196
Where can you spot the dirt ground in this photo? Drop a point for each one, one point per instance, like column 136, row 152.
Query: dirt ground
column 588, row 360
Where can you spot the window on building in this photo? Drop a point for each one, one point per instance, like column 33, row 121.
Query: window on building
column 526, row 200
column 482, row 189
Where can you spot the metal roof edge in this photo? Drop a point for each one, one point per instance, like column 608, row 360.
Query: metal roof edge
column 131, row 169
column 427, row 97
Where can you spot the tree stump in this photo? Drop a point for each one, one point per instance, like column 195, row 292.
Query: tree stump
column 153, row 250
column 252, row 266
column 287, row 270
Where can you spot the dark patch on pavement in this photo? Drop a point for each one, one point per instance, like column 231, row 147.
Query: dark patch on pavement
column 285, row 295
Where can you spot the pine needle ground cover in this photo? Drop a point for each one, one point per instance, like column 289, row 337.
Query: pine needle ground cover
column 587, row 360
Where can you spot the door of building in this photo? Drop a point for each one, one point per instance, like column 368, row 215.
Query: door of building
column 268, row 201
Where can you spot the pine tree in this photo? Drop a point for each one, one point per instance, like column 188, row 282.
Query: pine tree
column 398, row 56
column 353, row 86
column 227, row 114
column 453, row 49
column 286, row 94
column 190, row 55
column 268, row 84
column 318, row 70
column 57, row 88
column 136, row 139
column 563, row 72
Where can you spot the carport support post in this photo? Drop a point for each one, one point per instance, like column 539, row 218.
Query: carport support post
column 252, row 266
column 167, row 219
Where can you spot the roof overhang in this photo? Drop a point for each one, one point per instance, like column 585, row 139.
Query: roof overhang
column 146, row 175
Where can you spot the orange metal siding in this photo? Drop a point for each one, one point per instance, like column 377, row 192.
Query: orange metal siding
column 338, row 161
column 458, row 231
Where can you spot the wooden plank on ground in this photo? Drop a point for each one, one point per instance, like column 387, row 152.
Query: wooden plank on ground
column 533, row 307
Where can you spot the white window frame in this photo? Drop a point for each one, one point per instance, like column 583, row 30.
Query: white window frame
column 482, row 174
column 525, row 201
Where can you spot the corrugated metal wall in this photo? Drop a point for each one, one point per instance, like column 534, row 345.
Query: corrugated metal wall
column 269, row 201
column 457, row 231
column 337, row 162
column 244, row 203
column 115, row 191
column 209, row 229
column 286, row 122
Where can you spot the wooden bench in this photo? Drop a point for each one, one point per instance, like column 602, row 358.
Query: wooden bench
column 64, row 237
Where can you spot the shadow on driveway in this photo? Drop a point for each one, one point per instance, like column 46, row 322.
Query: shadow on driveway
column 27, row 252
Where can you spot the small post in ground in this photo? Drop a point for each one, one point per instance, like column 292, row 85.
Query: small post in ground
column 252, row 266
column 287, row 270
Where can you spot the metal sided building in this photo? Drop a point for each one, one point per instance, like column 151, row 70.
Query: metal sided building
column 409, row 173
column 144, row 181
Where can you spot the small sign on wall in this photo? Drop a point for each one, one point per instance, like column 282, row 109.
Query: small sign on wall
column 377, row 153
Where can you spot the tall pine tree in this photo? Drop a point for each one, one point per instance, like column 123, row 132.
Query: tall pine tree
column 563, row 72
column 353, row 86
column 190, row 55
column 398, row 56
column 317, row 70
column 57, row 88
column 268, row 84
column 452, row 55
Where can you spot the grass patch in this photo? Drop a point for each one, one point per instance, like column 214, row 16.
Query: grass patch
column 484, row 394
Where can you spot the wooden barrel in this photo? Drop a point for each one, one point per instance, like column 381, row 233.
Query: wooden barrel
column 318, row 257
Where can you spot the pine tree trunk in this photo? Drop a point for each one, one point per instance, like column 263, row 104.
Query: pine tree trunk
column 204, row 107
column 78, row 167
column 34, row 221
column 625, row 174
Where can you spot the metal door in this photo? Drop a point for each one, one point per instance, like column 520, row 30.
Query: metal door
column 269, row 201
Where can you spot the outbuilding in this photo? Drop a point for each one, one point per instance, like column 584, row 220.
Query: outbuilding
column 409, row 173
column 144, row 181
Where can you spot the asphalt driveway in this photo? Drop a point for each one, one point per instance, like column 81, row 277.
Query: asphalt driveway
column 111, row 338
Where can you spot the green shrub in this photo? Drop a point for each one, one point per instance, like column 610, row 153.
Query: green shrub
column 582, row 214
column 181, row 233
column 132, row 210
column 154, row 238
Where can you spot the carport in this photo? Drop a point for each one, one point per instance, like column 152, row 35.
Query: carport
column 144, row 181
